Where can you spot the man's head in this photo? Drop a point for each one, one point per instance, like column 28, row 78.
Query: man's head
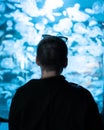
column 52, row 54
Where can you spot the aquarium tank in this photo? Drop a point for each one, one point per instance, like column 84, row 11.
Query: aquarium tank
column 22, row 24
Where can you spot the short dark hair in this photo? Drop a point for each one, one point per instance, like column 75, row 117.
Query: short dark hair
column 52, row 53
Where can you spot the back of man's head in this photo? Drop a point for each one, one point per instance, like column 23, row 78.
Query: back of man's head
column 52, row 53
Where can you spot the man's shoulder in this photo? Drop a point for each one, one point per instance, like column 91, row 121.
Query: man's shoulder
column 25, row 88
column 75, row 86
column 78, row 89
column 24, row 91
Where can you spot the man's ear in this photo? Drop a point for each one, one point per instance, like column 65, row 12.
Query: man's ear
column 37, row 61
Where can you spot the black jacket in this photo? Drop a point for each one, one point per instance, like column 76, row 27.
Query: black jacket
column 53, row 104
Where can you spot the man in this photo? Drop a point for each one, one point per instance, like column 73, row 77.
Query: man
column 51, row 102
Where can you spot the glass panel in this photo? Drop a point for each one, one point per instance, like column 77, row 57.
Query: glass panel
column 22, row 23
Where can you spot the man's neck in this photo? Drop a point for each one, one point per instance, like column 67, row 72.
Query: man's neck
column 47, row 74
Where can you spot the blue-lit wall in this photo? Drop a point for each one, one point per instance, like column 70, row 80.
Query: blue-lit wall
column 22, row 22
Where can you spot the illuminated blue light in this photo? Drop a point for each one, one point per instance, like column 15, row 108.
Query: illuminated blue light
column 22, row 23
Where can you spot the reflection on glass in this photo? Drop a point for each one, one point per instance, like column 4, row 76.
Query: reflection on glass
column 22, row 23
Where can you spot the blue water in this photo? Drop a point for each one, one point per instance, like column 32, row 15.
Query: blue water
column 22, row 23
column 3, row 126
